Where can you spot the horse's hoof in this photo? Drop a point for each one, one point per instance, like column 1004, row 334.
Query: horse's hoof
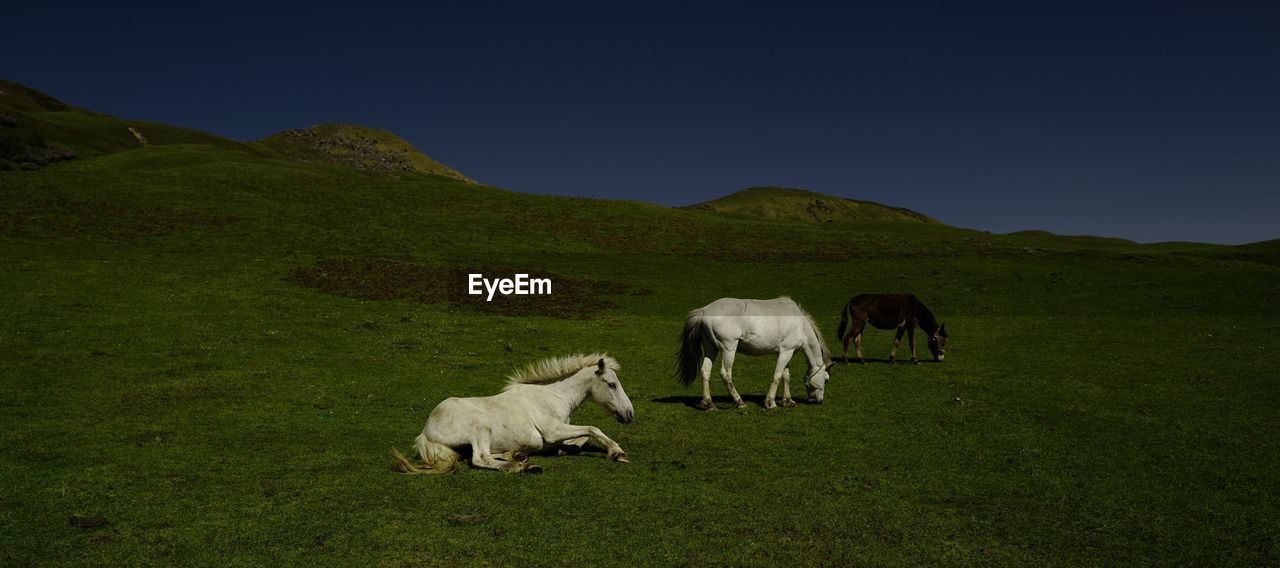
column 620, row 457
column 706, row 404
column 741, row 404
column 788, row 402
column 915, row 361
column 533, row 468
column 770, row 405
column 520, row 457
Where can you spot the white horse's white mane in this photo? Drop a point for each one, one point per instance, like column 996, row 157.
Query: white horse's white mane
column 826, row 351
column 556, row 368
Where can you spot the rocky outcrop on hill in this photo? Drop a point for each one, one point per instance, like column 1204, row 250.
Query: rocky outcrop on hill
column 27, row 149
column 360, row 147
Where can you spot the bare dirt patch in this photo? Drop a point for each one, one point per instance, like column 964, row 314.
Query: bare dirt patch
column 380, row 279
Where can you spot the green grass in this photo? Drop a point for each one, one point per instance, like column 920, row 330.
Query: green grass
column 1102, row 402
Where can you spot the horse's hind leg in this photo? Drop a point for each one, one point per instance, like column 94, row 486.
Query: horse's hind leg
column 705, row 371
column 708, row 361
column 786, row 389
column 784, row 357
column 726, row 373
column 897, row 340
column 512, row 456
column 482, row 456
column 859, row 324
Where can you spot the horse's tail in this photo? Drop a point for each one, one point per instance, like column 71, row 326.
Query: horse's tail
column 434, row 458
column 844, row 320
column 689, row 361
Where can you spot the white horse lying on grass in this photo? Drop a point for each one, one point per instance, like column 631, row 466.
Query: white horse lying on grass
column 755, row 327
column 529, row 415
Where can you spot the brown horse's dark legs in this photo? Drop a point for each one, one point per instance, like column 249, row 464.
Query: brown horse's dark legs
column 897, row 340
column 859, row 324
column 911, row 342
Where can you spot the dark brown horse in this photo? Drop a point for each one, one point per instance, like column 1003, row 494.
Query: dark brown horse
column 888, row 311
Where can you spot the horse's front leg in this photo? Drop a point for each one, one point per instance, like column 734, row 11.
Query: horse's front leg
column 897, row 340
column 572, row 446
column 726, row 373
column 565, row 432
column 911, row 342
column 786, row 389
column 779, row 370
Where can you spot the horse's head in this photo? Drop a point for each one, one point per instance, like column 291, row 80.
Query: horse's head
column 938, row 343
column 817, row 383
column 606, row 389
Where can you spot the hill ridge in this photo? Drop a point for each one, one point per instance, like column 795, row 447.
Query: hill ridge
column 38, row 129
column 788, row 203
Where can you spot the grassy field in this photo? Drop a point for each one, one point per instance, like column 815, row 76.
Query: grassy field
column 212, row 350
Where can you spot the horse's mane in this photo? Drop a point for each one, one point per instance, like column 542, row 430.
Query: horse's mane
column 927, row 319
column 822, row 342
column 556, row 368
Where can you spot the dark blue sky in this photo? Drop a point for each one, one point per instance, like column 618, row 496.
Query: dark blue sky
column 1150, row 121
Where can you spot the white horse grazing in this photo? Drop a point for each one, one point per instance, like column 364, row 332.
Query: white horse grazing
column 755, row 327
column 529, row 415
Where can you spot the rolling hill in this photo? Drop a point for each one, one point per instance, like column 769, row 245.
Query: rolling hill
column 37, row 129
column 208, row 347
column 780, row 203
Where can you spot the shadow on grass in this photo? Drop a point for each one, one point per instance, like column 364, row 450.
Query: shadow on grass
column 869, row 360
column 722, row 401
column 550, row 451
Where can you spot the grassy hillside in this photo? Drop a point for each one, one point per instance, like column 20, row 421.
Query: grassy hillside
column 212, row 350
column 36, row 120
column 781, row 203
column 37, row 129
column 1267, row 252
